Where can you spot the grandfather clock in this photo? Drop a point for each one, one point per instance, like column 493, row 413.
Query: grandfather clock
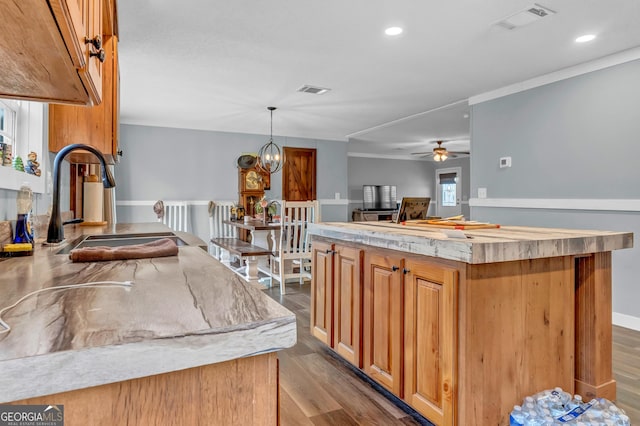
column 250, row 190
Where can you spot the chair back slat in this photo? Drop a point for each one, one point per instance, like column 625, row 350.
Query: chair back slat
column 218, row 213
column 176, row 215
column 294, row 218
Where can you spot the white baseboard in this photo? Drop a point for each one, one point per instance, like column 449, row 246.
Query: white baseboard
column 626, row 321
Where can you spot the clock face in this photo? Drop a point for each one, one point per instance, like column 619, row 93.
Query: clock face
column 252, row 180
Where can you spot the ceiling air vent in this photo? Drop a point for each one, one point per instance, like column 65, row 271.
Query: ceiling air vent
column 314, row 90
column 526, row 16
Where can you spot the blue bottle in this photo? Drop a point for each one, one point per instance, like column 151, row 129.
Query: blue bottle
column 23, row 232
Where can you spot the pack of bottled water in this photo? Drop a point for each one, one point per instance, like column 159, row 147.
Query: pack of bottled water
column 557, row 407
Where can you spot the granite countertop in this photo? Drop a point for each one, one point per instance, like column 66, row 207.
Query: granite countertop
column 502, row 244
column 182, row 311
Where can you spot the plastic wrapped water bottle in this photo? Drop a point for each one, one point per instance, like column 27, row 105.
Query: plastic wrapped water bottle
column 556, row 407
column 623, row 420
column 517, row 416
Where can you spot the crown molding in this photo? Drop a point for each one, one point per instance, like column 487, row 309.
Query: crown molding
column 384, row 156
column 563, row 74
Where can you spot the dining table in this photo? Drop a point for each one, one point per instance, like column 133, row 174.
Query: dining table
column 263, row 234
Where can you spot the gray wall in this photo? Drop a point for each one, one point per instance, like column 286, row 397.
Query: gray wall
column 576, row 138
column 412, row 178
column 197, row 166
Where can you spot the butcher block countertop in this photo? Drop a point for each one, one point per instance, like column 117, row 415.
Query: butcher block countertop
column 181, row 312
column 476, row 246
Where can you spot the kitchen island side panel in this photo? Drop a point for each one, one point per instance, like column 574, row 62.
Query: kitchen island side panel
column 516, row 335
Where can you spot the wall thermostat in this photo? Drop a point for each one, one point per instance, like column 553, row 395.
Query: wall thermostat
column 505, row 162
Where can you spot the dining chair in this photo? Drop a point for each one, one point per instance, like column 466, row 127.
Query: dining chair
column 293, row 250
column 175, row 215
column 219, row 211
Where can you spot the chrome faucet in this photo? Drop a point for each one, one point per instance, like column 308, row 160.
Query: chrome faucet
column 55, row 233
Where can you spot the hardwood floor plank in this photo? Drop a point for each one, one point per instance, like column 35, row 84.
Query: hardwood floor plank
column 338, row 417
column 317, row 388
column 309, row 395
column 626, row 371
column 290, row 413
column 354, row 397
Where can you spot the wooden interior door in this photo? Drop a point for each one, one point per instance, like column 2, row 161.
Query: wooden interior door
column 382, row 319
column 299, row 174
column 347, row 297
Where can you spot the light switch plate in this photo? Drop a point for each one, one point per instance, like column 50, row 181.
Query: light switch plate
column 482, row 192
column 505, row 162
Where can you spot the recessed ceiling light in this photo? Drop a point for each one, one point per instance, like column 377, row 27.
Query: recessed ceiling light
column 585, row 38
column 393, row 31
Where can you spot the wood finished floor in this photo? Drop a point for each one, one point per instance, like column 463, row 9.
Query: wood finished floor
column 318, row 389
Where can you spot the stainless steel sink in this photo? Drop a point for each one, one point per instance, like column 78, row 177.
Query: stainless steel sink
column 117, row 240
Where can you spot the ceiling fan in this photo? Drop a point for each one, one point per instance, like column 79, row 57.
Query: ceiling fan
column 440, row 153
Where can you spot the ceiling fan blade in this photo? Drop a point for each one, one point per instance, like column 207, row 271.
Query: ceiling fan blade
column 423, row 154
column 459, row 152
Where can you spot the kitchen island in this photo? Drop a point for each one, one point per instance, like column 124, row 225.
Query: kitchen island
column 462, row 329
column 189, row 342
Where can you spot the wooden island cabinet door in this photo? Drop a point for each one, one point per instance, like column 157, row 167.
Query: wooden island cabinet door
column 430, row 340
column 382, row 318
column 322, row 291
column 347, row 303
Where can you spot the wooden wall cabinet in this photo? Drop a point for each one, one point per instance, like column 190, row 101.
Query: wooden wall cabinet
column 46, row 56
column 97, row 126
column 336, row 308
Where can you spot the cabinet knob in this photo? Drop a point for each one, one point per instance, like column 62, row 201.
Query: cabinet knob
column 119, row 153
column 394, row 268
column 405, row 271
column 99, row 54
column 329, row 251
column 96, row 41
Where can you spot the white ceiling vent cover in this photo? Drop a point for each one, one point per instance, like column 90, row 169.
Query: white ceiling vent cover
column 314, row 90
column 526, row 16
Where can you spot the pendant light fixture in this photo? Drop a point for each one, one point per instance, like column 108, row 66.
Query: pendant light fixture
column 270, row 156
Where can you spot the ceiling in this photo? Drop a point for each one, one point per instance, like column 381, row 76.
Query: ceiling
column 217, row 65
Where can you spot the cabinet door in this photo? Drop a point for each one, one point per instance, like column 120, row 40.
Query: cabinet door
column 96, row 126
column 382, row 319
column 430, row 340
column 79, row 21
column 347, row 303
column 322, row 291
